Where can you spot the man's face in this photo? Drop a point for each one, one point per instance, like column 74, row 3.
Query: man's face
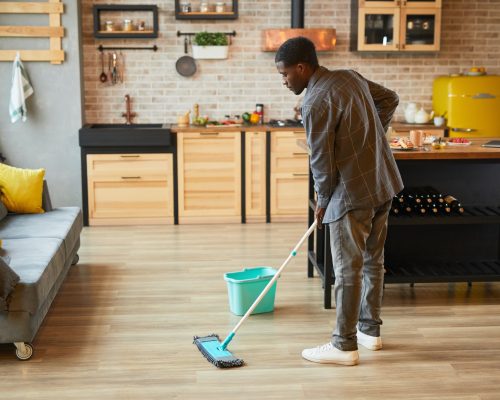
column 293, row 76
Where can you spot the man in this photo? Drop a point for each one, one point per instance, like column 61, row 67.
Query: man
column 355, row 177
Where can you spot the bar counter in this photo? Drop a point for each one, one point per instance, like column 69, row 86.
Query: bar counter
column 434, row 248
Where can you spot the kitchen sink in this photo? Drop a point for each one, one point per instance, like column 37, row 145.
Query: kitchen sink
column 123, row 135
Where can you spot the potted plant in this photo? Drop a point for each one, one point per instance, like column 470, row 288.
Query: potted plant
column 210, row 45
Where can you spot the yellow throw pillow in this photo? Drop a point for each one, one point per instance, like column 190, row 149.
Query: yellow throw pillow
column 21, row 189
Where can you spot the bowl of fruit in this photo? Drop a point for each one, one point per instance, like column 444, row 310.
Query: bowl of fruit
column 459, row 141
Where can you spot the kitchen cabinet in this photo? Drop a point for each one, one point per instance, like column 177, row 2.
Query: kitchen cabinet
column 396, row 25
column 255, row 176
column 289, row 177
column 198, row 9
column 209, row 176
column 126, row 21
column 126, row 189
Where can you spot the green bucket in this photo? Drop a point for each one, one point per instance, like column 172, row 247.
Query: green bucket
column 246, row 285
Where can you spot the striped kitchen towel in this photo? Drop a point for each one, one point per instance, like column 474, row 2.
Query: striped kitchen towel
column 21, row 89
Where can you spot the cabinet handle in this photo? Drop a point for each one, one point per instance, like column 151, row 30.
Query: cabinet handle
column 298, row 133
column 300, row 174
column 300, row 154
column 131, row 177
column 129, row 155
column 403, row 46
column 209, row 133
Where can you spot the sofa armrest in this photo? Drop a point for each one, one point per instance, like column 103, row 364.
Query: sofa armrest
column 46, row 202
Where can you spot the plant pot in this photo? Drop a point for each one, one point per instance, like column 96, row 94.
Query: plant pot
column 210, row 52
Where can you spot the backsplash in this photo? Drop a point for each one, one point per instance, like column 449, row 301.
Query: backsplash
column 470, row 36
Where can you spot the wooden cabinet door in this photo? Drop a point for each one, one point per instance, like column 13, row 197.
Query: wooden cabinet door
column 420, row 29
column 378, row 29
column 209, row 170
column 130, row 189
column 289, row 177
column 255, row 176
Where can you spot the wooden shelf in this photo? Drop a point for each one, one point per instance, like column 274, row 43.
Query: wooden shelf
column 127, row 8
column 233, row 14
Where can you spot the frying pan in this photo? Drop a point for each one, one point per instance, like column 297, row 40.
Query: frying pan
column 186, row 65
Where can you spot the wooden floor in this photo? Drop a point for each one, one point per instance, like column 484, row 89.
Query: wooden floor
column 122, row 326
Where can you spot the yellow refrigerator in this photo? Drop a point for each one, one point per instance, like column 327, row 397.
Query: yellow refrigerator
column 471, row 104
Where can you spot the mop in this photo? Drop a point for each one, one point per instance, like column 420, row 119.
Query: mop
column 211, row 347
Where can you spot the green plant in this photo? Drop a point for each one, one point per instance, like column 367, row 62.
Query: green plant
column 210, row 39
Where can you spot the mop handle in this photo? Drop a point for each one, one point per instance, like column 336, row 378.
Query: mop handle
column 268, row 286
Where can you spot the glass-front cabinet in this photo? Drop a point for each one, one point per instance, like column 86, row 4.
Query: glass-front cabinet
column 397, row 25
column 420, row 29
column 378, row 29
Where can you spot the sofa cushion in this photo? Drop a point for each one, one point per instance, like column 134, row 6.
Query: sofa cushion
column 38, row 262
column 21, row 189
column 3, row 211
column 62, row 223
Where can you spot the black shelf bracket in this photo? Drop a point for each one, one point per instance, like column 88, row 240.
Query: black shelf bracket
column 101, row 48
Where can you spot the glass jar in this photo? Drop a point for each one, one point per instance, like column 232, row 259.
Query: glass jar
column 220, row 7
column 185, row 7
column 127, row 25
column 204, row 7
column 109, row 26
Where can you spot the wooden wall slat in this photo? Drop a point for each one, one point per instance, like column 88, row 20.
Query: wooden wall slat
column 31, row 31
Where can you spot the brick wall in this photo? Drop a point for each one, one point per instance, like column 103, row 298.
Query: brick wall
column 470, row 36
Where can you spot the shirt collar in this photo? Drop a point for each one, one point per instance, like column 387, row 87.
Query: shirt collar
column 320, row 71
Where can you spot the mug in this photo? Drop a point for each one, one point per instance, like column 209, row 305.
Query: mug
column 417, row 138
column 438, row 121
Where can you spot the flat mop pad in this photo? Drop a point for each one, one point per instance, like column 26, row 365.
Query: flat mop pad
column 210, row 347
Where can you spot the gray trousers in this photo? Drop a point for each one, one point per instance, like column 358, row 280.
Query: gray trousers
column 357, row 243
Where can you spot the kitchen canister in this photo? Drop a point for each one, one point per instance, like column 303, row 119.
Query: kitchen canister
column 220, row 7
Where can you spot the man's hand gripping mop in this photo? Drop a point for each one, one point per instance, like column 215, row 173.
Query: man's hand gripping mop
column 211, row 347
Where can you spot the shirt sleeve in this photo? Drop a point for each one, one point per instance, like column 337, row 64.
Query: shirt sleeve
column 321, row 143
column 386, row 101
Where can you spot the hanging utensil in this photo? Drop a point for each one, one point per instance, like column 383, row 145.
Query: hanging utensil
column 121, row 65
column 110, row 76
column 103, row 77
column 114, row 71
column 185, row 65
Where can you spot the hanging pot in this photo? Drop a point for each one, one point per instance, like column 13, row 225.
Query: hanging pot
column 186, row 66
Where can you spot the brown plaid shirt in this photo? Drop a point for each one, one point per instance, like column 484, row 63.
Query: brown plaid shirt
column 346, row 117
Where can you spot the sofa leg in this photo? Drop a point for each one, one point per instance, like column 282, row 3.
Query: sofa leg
column 24, row 351
column 76, row 258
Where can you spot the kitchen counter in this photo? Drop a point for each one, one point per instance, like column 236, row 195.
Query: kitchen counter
column 232, row 128
column 474, row 151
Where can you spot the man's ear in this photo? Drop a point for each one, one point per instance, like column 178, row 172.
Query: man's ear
column 301, row 68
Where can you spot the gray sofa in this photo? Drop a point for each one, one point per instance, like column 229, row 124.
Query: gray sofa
column 39, row 248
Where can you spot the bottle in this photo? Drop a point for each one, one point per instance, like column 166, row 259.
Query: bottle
column 413, row 197
column 259, row 109
column 395, row 206
column 436, row 196
column 454, row 204
column 424, row 195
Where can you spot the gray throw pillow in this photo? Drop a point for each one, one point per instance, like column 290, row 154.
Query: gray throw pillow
column 3, row 211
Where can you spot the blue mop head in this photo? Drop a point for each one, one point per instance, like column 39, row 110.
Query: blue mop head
column 210, row 348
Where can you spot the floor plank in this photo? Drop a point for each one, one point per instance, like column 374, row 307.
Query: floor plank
column 122, row 327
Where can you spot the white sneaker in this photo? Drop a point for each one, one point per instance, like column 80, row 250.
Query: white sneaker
column 370, row 342
column 328, row 354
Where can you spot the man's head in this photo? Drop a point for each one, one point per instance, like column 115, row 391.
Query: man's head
column 296, row 61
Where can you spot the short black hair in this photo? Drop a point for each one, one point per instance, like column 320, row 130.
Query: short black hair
column 297, row 50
